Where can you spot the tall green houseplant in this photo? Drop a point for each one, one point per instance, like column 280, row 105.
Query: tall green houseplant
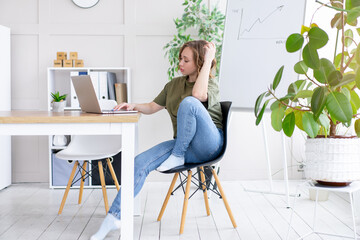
column 209, row 26
column 327, row 94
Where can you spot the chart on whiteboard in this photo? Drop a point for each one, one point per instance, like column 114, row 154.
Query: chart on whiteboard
column 254, row 46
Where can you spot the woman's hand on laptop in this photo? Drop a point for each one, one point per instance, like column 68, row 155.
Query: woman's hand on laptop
column 126, row 106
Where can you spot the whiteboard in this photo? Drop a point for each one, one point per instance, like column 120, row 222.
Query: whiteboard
column 254, row 48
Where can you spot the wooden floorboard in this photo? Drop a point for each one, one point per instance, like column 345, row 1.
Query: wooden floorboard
column 29, row 212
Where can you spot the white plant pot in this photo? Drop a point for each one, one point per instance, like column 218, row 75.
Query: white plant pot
column 58, row 106
column 332, row 159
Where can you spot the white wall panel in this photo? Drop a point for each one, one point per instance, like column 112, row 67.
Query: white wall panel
column 158, row 11
column 18, row 11
column 150, row 75
column 106, row 11
column 24, row 71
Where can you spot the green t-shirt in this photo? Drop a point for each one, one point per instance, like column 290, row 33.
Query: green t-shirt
column 178, row 89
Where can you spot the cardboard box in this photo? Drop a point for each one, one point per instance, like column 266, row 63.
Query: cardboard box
column 121, row 92
column 73, row 55
column 68, row 63
column 58, row 63
column 61, row 55
column 78, row 63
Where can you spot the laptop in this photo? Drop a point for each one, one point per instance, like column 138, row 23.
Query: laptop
column 87, row 97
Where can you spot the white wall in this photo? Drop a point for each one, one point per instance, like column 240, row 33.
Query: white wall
column 114, row 33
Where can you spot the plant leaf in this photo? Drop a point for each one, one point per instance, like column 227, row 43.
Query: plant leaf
column 355, row 99
column 294, row 42
column 311, row 57
column 288, row 124
column 326, row 67
column 311, row 127
column 335, row 78
column 318, row 101
column 324, row 121
column 339, row 106
column 278, row 77
column 353, row 14
column 317, row 38
column 258, row 119
column 298, row 119
column 258, row 102
column 347, row 78
column 276, row 118
column 300, row 67
column 357, row 127
column 348, row 37
column 303, row 94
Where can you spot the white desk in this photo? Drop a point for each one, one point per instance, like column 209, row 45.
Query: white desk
column 76, row 123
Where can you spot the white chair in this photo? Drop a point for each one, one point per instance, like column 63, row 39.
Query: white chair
column 91, row 148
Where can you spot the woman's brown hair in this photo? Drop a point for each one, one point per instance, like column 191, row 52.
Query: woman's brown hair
column 198, row 50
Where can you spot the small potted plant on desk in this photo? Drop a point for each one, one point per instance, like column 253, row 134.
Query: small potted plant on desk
column 325, row 99
column 58, row 102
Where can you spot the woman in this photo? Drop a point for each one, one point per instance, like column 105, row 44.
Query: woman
column 192, row 102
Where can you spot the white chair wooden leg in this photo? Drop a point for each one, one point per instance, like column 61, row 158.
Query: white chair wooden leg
column 68, row 187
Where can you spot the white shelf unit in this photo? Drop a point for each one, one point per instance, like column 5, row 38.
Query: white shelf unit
column 58, row 79
column 5, row 105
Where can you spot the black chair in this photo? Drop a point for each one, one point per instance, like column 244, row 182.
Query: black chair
column 202, row 182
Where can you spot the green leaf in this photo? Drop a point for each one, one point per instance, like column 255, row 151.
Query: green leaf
column 336, row 21
column 346, row 92
column 348, row 37
column 335, row 78
column 357, row 78
column 326, row 67
column 339, row 106
column 311, row 127
column 278, row 77
column 357, row 127
column 350, row 4
column 317, row 38
column 298, row 119
column 311, row 57
column 357, row 54
column 276, row 118
column 294, row 42
column 347, row 78
column 318, row 101
column 303, row 94
column 300, row 67
column 324, row 121
column 276, row 105
column 258, row 102
column 355, row 99
column 288, row 124
column 258, row 119
column 353, row 14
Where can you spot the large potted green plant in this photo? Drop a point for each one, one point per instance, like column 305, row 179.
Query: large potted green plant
column 209, row 26
column 325, row 98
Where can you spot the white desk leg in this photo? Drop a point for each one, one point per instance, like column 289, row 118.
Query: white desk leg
column 127, row 181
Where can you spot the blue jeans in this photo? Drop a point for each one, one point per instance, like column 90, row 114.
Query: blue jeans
column 198, row 139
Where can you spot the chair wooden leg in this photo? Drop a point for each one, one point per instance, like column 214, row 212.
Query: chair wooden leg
column 82, row 181
column 167, row 196
column 113, row 174
column 205, row 191
column 68, row 187
column 224, row 197
column 186, row 200
column 103, row 186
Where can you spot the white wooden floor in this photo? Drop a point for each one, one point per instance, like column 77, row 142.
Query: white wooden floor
column 29, row 211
